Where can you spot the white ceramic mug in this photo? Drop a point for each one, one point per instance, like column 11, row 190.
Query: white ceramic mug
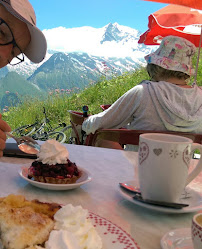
column 163, row 164
column 196, row 231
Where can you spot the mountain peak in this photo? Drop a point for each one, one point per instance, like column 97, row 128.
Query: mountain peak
column 112, row 33
column 117, row 33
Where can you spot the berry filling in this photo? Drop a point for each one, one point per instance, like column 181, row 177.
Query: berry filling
column 59, row 171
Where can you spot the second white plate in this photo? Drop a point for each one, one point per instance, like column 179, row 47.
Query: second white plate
column 85, row 177
column 195, row 202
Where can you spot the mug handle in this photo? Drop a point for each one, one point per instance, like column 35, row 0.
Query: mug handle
column 198, row 167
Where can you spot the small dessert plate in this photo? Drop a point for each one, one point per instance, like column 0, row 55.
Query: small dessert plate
column 178, row 238
column 194, row 202
column 85, row 177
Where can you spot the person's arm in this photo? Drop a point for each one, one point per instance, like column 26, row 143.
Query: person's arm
column 3, row 128
column 118, row 115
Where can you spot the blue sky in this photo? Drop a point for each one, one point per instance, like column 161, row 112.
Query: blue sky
column 77, row 13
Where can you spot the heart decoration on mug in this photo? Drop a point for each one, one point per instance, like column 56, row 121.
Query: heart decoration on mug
column 186, row 157
column 157, row 151
column 143, row 152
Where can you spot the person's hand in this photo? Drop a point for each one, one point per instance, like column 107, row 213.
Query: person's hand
column 3, row 127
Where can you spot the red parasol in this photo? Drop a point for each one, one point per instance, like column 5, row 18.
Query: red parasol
column 196, row 4
column 174, row 20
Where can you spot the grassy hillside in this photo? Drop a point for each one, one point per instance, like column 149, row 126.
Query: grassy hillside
column 15, row 84
column 104, row 92
column 58, row 104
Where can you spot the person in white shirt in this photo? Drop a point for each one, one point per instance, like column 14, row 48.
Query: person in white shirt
column 165, row 102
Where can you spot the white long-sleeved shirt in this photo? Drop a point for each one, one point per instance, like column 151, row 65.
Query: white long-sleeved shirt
column 152, row 106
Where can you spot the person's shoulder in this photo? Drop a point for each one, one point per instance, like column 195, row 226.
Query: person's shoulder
column 196, row 88
column 199, row 88
column 137, row 90
column 140, row 86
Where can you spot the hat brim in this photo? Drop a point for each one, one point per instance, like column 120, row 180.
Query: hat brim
column 169, row 64
column 37, row 47
column 36, row 50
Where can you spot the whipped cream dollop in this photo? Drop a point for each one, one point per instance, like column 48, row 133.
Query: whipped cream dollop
column 52, row 152
column 62, row 240
column 73, row 230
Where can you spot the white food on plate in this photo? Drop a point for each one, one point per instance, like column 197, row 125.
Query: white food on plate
column 73, row 230
column 52, row 152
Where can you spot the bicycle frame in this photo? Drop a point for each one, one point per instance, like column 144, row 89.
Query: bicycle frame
column 42, row 130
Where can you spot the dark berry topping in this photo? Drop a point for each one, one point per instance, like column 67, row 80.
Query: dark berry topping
column 60, row 171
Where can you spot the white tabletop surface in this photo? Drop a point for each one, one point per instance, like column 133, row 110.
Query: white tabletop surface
column 101, row 196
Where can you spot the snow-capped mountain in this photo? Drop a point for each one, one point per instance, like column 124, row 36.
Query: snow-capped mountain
column 78, row 56
column 113, row 40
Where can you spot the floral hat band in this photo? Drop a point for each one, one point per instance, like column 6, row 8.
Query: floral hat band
column 174, row 53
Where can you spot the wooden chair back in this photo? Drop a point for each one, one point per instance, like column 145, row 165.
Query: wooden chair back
column 125, row 136
column 76, row 117
column 76, row 120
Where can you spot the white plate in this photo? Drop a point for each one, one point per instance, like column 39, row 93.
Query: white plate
column 195, row 202
column 113, row 237
column 178, row 238
column 85, row 177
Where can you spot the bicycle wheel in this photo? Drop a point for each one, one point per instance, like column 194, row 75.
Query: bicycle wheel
column 24, row 130
column 57, row 135
column 68, row 133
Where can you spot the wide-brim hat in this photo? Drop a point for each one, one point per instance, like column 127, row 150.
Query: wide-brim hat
column 23, row 10
column 174, row 53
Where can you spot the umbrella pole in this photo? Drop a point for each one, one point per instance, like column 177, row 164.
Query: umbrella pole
column 195, row 80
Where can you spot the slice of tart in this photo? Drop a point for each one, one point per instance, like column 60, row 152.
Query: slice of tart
column 65, row 173
column 53, row 165
column 21, row 225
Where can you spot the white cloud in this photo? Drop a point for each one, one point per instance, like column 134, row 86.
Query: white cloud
column 75, row 39
column 87, row 39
